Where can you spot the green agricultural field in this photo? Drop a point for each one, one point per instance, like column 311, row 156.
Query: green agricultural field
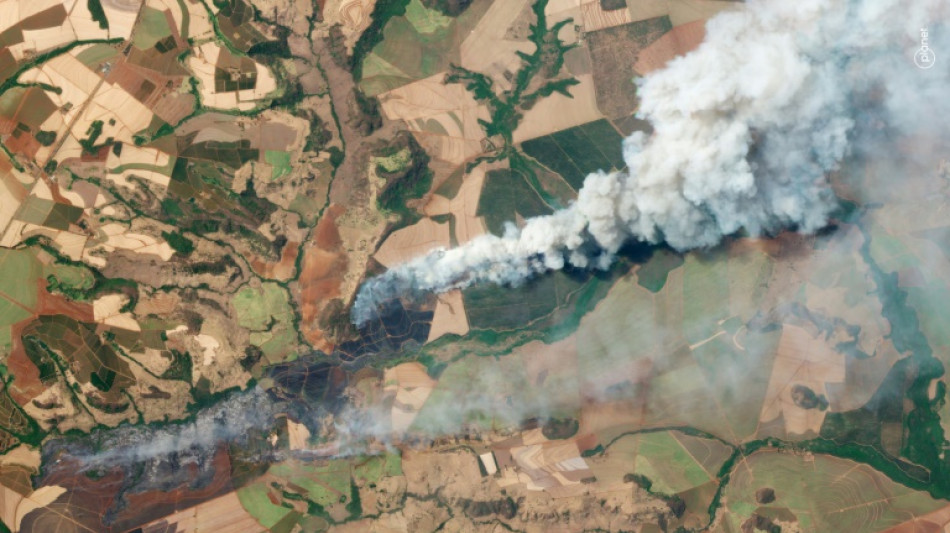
column 658, row 456
column 507, row 195
column 257, row 307
column 70, row 276
column 933, row 307
column 152, row 27
column 96, row 54
column 266, row 312
column 323, row 484
column 426, row 21
column 373, row 468
column 18, row 289
column 35, row 210
column 416, row 45
column 576, row 152
column 255, row 500
column 280, row 161
column 494, row 307
column 823, row 493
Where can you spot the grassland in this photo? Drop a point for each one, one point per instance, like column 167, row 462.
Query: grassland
column 280, row 161
column 18, row 289
column 266, row 311
column 152, row 27
column 822, row 493
column 254, row 498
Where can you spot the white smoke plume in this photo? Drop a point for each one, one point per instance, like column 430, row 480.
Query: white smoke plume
column 747, row 129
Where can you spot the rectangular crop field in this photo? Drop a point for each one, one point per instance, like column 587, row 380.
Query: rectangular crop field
column 576, row 152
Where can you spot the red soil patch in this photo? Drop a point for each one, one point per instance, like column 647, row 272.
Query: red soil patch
column 322, row 269
column 148, row 506
column 26, row 383
column 282, row 270
column 24, row 144
column 84, row 503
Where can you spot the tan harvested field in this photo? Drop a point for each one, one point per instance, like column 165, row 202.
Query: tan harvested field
column 680, row 41
column 14, row 506
column 464, row 207
column 203, row 65
column 413, row 241
column 686, row 11
column 444, row 117
column 647, row 9
column 596, row 18
column 449, row 317
column 107, row 310
column 411, row 386
column 137, row 155
column 116, row 236
column 224, row 514
column 802, row 359
column 298, row 435
column 78, row 24
column 558, row 112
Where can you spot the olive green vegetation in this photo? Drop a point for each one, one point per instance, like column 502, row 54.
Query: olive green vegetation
column 46, row 138
column 576, row 152
column 354, row 506
column 652, row 274
column 452, row 8
column 180, row 367
column 507, row 195
column 179, row 242
column 88, row 144
column 98, row 14
column 405, row 167
column 560, row 428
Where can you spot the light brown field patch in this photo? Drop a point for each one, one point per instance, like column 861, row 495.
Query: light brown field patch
column 802, row 359
column 413, row 241
column 411, row 386
column 464, row 207
column 595, row 18
column 449, row 316
column 444, row 117
column 558, row 112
